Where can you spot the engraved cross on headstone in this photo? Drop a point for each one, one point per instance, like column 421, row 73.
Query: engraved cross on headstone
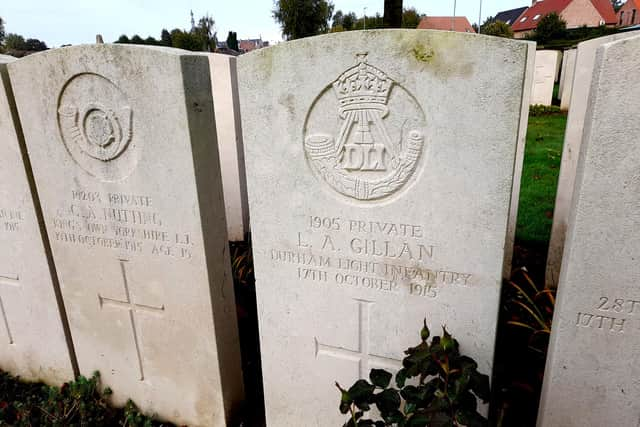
column 362, row 354
column 134, row 310
column 13, row 281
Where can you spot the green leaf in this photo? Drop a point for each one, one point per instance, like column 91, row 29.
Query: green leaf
column 441, row 420
column 418, row 420
column 412, row 394
column 401, row 377
column 388, row 401
column 446, row 341
column 470, row 418
column 380, row 378
column 424, row 333
column 479, row 384
column 361, row 391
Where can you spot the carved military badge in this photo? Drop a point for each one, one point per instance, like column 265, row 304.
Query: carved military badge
column 95, row 123
column 379, row 138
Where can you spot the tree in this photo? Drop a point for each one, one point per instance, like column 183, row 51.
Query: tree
column 617, row 4
column 123, row 39
column 349, row 21
column 232, row 41
column 338, row 19
column 392, row 14
column 136, row 39
column 550, row 27
column 1, row 30
column 497, row 28
column 302, row 18
column 205, row 31
column 15, row 42
column 185, row 40
column 165, row 37
column 411, row 18
column 35, row 45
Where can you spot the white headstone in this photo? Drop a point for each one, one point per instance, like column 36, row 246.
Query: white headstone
column 592, row 369
column 585, row 60
column 517, row 171
column 125, row 159
column 544, row 77
column 33, row 344
column 567, row 87
column 559, row 62
column 380, row 168
column 563, row 73
column 224, row 83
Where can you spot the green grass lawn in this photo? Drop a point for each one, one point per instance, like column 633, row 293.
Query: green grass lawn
column 545, row 136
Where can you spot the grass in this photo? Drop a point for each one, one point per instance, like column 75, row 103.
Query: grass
column 543, row 152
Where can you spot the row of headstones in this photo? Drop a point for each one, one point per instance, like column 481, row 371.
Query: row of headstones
column 372, row 206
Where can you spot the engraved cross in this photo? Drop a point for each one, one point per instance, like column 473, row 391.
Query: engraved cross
column 363, row 355
column 13, row 281
column 134, row 309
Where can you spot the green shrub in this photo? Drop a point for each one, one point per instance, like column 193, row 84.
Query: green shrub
column 544, row 110
column 448, row 385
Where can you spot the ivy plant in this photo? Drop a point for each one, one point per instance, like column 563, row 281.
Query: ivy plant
column 436, row 387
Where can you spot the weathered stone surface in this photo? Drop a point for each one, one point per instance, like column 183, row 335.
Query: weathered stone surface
column 33, row 344
column 592, row 373
column 125, row 159
column 567, row 86
column 559, row 62
column 544, row 77
column 352, row 252
column 585, row 60
column 224, row 84
column 517, row 171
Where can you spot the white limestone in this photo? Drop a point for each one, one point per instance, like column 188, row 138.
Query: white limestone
column 544, row 77
column 517, row 172
column 224, row 84
column 585, row 59
column 33, row 344
column 125, row 160
column 567, row 87
column 592, row 372
column 352, row 253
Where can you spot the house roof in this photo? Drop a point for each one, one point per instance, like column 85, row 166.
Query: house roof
column 460, row 24
column 605, row 8
column 529, row 19
column 527, row 22
column 510, row 16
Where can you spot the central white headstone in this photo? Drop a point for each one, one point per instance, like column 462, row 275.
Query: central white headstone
column 592, row 372
column 380, row 167
column 125, row 158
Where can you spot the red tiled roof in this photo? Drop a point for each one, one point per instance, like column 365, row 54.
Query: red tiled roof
column 606, row 11
column 460, row 24
column 540, row 9
column 545, row 7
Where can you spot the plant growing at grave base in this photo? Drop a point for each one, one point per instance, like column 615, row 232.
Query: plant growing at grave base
column 444, row 392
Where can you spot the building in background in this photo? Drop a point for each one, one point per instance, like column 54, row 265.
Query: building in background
column 510, row 16
column 628, row 14
column 252, row 44
column 576, row 13
column 446, row 23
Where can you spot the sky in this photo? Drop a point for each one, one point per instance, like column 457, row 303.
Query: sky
column 59, row 22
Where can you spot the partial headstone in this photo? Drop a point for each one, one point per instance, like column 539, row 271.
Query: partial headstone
column 592, row 372
column 544, row 77
column 99, row 39
column 224, row 83
column 563, row 73
column 559, row 62
column 125, row 159
column 517, row 171
column 373, row 205
column 585, row 60
column 567, row 87
column 33, row 344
